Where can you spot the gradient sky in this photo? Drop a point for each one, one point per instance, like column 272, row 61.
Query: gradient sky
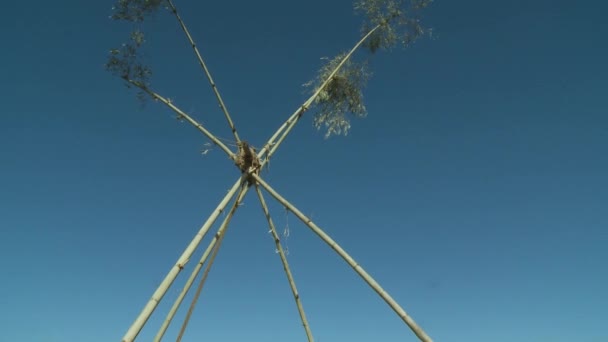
column 475, row 191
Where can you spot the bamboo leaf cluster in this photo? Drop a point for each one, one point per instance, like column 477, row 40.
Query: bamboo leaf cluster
column 135, row 10
column 341, row 96
column 397, row 20
column 339, row 83
column 126, row 61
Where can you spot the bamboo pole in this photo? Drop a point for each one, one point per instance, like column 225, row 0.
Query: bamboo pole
column 195, row 272
column 207, row 73
column 199, row 289
column 145, row 314
column 216, row 249
column 288, row 125
column 336, row 247
column 185, row 116
column 286, row 268
column 163, row 329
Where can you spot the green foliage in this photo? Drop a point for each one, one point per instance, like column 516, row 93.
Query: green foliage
column 387, row 23
column 125, row 62
column 135, row 10
column 341, row 96
column 397, row 20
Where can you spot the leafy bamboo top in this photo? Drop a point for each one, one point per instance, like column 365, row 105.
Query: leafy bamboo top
column 338, row 87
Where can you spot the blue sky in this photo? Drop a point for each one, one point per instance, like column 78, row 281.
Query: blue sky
column 475, row 191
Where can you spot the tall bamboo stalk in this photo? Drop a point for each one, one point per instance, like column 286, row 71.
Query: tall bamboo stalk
column 185, row 116
column 336, row 247
column 145, row 314
column 163, row 329
column 207, row 73
column 292, row 282
column 287, row 126
column 195, row 272
column 219, row 238
column 199, row 289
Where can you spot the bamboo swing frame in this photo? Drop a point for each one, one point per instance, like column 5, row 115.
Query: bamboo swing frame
column 244, row 183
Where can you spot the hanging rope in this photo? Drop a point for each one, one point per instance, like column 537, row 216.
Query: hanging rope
column 286, row 232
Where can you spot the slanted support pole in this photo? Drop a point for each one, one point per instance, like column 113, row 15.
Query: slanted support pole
column 292, row 282
column 218, row 238
column 206, row 70
column 349, row 260
column 218, row 235
column 288, row 125
column 181, row 114
column 147, row 311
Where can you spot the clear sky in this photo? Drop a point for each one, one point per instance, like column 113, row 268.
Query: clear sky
column 475, row 191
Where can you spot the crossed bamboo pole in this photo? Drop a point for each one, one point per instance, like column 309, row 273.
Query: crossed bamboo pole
column 162, row 289
column 268, row 149
column 147, row 311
